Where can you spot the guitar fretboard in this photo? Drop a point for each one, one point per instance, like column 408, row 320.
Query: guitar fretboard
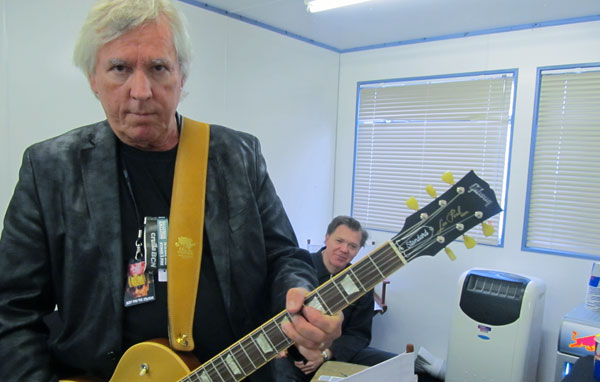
column 263, row 344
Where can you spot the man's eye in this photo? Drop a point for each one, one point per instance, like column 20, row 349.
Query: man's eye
column 159, row 68
column 118, row 68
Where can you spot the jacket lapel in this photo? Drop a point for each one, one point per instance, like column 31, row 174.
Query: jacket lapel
column 100, row 177
column 216, row 224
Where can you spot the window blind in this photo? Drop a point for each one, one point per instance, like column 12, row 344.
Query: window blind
column 409, row 132
column 563, row 213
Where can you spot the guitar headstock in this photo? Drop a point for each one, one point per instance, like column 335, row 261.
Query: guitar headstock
column 469, row 202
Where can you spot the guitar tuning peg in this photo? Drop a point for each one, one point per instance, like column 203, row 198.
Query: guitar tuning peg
column 450, row 253
column 469, row 241
column 487, row 229
column 448, row 178
column 431, row 191
column 412, row 203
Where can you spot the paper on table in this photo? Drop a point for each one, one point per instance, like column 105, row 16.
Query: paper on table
column 398, row 369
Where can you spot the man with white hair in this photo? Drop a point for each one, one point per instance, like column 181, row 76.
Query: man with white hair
column 72, row 231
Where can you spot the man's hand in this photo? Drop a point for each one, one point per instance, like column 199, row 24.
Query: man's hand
column 309, row 366
column 311, row 330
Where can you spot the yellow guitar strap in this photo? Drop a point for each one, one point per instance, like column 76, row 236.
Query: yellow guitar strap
column 186, row 228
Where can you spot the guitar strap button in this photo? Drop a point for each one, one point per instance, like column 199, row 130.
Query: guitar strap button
column 182, row 340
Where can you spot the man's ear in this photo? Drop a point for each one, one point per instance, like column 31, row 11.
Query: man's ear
column 92, row 80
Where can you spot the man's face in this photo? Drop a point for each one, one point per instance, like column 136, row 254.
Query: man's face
column 342, row 246
column 138, row 82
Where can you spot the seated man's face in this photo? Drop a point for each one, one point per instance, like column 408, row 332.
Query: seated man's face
column 138, row 81
column 341, row 247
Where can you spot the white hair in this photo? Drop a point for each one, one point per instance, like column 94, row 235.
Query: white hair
column 109, row 19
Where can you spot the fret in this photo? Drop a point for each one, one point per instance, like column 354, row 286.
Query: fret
column 243, row 359
column 330, row 296
column 233, row 365
column 284, row 339
column 341, row 293
column 318, row 302
column 362, row 287
column 389, row 260
column 224, row 369
column 204, row 377
column 193, row 378
column 376, row 267
column 367, row 275
column 258, row 349
column 276, row 339
column 265, row 342
column 253, row 352
column 218, row 374
column 248, row 356
column 204, row 373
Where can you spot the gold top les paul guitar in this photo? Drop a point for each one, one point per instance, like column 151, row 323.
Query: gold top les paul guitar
column 467, row 203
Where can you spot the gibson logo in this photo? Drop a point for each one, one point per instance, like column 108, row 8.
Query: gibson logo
column 478, row 190
column 422, row 234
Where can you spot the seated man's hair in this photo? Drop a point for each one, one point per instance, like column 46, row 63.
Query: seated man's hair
column 351, row 223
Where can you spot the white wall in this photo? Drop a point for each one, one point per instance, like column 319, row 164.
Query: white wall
column 247, row 78
column 422, row 296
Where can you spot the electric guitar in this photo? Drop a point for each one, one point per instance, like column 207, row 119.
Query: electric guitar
column 467, row 203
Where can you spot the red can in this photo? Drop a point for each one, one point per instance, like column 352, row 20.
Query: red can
column 597, row 358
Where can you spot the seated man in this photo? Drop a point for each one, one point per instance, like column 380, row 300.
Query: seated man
column 343, row 240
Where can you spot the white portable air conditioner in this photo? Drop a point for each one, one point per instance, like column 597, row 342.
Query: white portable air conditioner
column 496, row 328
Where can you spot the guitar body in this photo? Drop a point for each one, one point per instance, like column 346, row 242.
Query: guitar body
column 162, row 363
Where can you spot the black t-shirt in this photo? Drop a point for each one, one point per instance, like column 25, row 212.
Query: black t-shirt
column 151, row 178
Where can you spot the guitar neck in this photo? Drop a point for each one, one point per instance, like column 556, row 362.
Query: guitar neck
column 267, row 341
column 466, row 204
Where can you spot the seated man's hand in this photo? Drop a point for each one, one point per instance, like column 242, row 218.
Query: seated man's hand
column 314, row 360
column 311, row 330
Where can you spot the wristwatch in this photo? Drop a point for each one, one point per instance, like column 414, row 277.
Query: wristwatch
column 325, row 356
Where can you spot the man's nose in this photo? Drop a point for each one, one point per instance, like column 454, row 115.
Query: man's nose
column 140, row 85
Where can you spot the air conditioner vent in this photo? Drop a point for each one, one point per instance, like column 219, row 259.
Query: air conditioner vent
column 496, row 287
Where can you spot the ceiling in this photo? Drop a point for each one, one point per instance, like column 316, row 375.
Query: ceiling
column 393, row 22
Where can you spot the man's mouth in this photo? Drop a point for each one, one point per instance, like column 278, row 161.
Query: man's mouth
column 140, row 114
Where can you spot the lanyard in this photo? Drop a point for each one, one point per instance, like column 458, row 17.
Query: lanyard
column 139, row 240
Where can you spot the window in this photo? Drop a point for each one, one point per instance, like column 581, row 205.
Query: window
column 410, row 131
column 562, row 214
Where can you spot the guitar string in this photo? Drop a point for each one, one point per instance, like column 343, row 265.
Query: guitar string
column 371, row 281
column 264, row 358
column 435, row 213
column 360, row 275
